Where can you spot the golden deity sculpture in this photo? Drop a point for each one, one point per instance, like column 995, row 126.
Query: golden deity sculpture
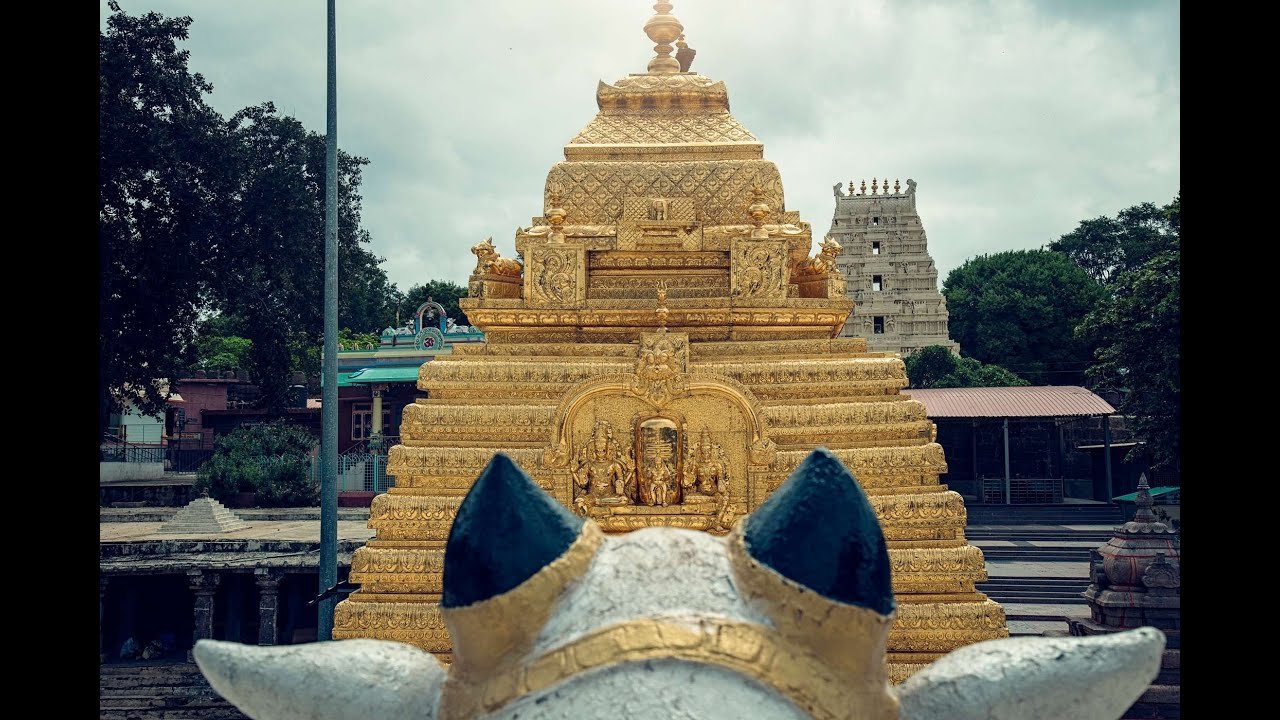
column 665, row 353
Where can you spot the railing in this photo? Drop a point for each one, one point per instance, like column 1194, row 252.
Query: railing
column 359, row 472
column 1022, row 491
column 126, row 453
column 186, row 460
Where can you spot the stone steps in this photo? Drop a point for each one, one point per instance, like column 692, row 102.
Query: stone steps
column 1037, row 554
column 1045, row 514
column 160, row 691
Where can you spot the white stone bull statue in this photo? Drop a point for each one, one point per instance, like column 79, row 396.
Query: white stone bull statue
column 786, row 617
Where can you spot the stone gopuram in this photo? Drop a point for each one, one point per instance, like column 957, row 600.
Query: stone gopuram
column 665, row 353
column 890, row 276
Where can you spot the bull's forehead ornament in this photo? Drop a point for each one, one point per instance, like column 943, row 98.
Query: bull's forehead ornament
column 786, row 617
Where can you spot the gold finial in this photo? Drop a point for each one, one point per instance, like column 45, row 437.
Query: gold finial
column 662, row 28
column 874, row 186
column 662, row 310
column 863, row 191
column 555, row 213
column 758, row 211
column 896, row 186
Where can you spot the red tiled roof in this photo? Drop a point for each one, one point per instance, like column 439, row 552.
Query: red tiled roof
column 1034, row 401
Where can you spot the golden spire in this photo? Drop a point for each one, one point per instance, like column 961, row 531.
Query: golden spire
column 662, row 28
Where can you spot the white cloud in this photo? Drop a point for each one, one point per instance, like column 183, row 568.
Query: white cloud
column 1018, row 119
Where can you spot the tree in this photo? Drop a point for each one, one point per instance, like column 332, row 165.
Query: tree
column 271, row 267
column 223, row 352
column 442, row 291
column 1019, row 309
column 936, row 366
column 1105, row 247
column 161, row 178
column 1137, row 331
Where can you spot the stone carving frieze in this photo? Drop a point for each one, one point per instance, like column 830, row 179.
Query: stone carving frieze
column 758, row 269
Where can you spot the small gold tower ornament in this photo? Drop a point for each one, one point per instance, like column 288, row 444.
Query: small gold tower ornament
column 663, row 28
column 555, row 215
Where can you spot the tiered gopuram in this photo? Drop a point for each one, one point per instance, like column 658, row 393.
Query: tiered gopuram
column 891, row 276
column 666, row 354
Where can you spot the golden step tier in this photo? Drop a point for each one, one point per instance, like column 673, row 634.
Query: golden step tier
column 944, row 572
column 921, row 520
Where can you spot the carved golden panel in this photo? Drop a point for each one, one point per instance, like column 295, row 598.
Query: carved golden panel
column 594, row 192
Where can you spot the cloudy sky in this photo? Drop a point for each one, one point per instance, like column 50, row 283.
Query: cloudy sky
column 1017, row 118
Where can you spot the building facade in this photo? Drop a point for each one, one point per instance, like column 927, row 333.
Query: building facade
column 890, row 276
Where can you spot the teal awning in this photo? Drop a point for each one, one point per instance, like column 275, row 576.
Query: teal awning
column 342, row 379
column 372, row 375
column 1155, row 492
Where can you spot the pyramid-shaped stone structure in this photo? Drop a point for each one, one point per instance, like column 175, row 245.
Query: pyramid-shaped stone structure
column 203, row 515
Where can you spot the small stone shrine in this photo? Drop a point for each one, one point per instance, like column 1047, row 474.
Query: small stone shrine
column 1135, row 581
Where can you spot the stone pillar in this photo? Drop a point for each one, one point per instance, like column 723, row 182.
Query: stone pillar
column 375, row 433
column 102, row 607
column 268, row 604
column 203, row 586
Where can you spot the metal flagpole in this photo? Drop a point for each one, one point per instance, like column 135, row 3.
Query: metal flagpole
column 329, row 404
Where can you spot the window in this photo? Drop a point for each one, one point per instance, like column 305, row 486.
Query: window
column 875, row 220
column 876, row 282
column 362, row 421
column 877, row 324
column 875, row 247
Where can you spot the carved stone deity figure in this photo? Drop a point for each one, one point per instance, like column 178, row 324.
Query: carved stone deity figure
column 706, row 471
column 602, row 472
column 660, row 477
column 489, row 262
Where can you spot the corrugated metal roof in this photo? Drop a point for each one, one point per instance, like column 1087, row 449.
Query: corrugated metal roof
column 1034, row 401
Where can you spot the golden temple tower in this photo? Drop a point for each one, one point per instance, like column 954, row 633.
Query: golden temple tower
column 665, row 355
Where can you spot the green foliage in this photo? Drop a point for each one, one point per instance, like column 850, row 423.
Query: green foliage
column 1019, row 310
column 1105, row 247
column 348, row 340
column 161, row 148
column 1138, row 335
column 936, row 367
column 223, row 352
column 272, row 460
column 442, row 291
